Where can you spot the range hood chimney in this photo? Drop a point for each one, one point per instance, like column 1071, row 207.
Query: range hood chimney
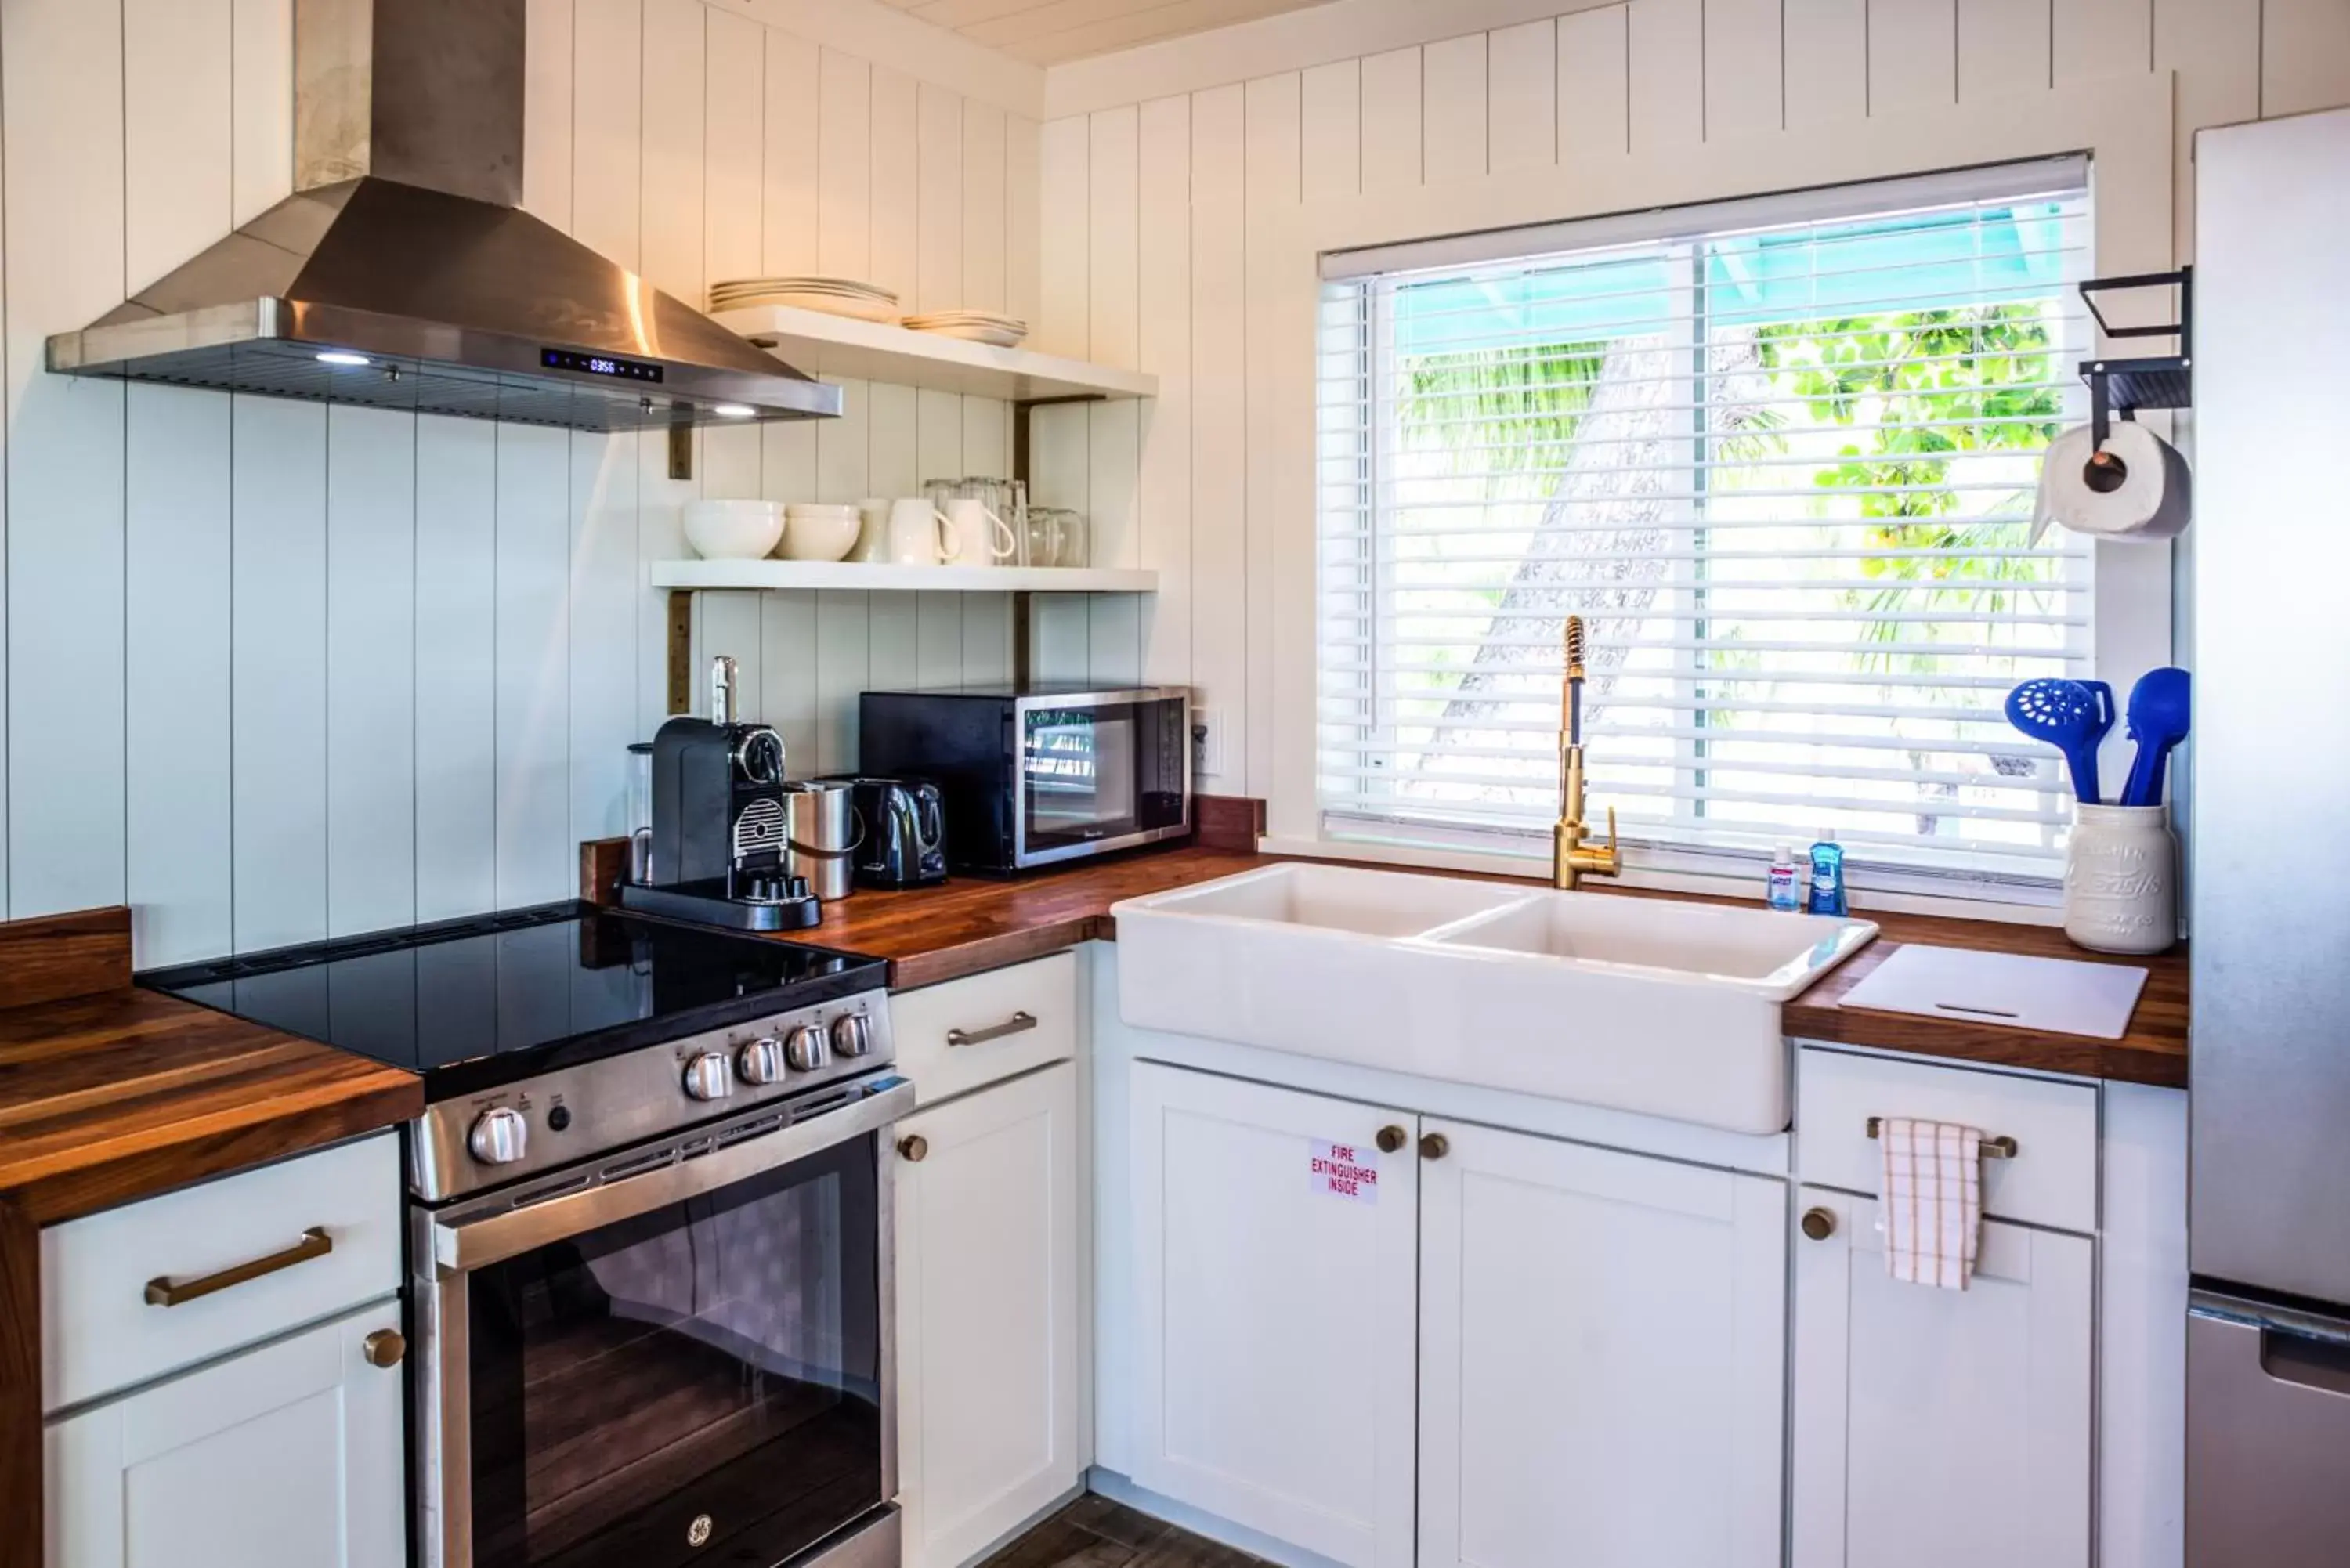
column 401, row 274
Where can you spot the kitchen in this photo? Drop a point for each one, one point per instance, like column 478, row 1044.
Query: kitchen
column 381, row 669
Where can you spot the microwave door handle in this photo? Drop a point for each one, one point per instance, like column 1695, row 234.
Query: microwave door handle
column 460, row 1245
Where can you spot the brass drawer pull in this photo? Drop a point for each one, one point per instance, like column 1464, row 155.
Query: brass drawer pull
column 314, row 1243
column 1992, row 1147
column 1018, row 1023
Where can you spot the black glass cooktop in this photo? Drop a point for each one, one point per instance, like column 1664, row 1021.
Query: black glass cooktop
column 477, row 1002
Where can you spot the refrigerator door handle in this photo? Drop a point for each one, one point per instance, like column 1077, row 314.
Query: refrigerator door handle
column 2320, row 1365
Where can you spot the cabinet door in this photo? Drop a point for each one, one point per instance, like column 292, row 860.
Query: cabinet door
column 1273, row 1271
column 1602, row 1358
column 288, row 1456
column 1940, row 1429
column 987, row 1314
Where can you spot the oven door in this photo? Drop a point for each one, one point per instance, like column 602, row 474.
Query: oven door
column 1100, row 772
column 682, row 1357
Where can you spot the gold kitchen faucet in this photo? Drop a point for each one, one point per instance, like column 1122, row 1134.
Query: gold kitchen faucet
column 1572, row 855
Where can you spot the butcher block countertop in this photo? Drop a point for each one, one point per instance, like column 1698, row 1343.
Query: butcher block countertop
column 935, row 934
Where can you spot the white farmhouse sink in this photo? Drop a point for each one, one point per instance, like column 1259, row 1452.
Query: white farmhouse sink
column 1653, row 1005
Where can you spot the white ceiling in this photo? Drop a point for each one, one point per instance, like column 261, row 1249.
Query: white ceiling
column 1047, row 32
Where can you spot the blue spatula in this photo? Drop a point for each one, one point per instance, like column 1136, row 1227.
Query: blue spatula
column 2068, row 715
column 2158, row 721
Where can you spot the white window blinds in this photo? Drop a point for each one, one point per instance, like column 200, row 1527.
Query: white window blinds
column 1783, row 470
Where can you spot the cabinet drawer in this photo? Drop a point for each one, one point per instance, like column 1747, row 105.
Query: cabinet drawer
column 2052, row 1180
column 101, row 1332
column 972, row 1031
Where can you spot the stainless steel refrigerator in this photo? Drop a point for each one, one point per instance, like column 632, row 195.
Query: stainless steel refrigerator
column 2268, row 1340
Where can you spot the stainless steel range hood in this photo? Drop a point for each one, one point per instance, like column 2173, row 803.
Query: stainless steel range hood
column 402, row 274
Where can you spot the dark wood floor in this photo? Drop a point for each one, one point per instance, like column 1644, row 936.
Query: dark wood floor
column 1094, row 1532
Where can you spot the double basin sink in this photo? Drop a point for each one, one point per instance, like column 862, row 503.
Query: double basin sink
column 1660, row 1006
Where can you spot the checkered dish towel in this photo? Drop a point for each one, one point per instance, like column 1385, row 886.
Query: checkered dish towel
column 1932, row 1208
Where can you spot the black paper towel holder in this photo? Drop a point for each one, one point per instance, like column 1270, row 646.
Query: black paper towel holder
column 2124, row 387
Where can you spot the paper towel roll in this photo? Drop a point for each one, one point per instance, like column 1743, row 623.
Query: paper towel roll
column 2151, row 501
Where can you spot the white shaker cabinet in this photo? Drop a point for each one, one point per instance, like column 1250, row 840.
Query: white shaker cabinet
column 988, row 1345
column 1275, row 1305
column 287, row 1455
column 1940, row 1429
column 1602, row 1357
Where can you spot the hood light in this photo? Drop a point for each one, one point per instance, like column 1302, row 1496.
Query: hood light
column 733, row 411
column 337, row 356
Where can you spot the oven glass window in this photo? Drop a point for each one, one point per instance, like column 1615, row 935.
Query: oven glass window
column 1100, row 772
column 699, row 1383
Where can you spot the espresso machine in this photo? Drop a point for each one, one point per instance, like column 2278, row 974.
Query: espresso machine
column 720, row 823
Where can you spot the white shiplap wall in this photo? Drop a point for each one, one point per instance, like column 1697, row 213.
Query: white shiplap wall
column 1203, row 164
column 275, row 671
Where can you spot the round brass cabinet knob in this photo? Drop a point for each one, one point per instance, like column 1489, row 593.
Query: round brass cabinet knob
column 1819, row 1224
column 384, row 1347
column 1390, row 1139
column 1435, row 1145
column 914, row 1146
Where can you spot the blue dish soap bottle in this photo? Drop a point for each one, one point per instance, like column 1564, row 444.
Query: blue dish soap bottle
column 1785, row 890
column 1828, row 876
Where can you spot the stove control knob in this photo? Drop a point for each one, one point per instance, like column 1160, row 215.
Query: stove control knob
column 706, row 1077
column 852, row 1035
column 806, row 1050
column 500, row 1137
column 761, row 1062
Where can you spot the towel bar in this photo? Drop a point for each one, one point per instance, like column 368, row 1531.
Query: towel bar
column 1992, row 1147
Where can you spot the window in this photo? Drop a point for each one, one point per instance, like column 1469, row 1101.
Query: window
column 1783, row 463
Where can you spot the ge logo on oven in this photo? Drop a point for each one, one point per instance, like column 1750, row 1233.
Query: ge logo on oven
column 698, row 1532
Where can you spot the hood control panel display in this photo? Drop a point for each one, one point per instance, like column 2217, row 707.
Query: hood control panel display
column 599, row 364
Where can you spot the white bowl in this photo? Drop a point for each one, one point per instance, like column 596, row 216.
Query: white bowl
column 820, row 536
column 733, row 530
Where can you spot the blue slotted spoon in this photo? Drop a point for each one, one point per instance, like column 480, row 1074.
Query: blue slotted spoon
column 2068, row 715
column 2158, row 721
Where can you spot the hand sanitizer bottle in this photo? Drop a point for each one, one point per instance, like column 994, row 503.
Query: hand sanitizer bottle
column 1785, row 890
column 1828, row 876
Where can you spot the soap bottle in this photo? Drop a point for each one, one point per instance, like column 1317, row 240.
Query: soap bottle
column 1828, row 876
column 1785, row 890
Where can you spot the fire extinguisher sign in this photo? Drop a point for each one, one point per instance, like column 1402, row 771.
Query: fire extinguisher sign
column 1346, row 1170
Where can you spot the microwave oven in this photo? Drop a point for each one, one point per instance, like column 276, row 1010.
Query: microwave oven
column 1032, row 775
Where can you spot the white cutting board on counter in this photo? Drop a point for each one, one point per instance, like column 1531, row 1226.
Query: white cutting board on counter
column 2061, row 996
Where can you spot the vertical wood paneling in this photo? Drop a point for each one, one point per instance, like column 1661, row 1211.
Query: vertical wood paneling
column 730, row 462
column 603, row 630
column 661, row 537
column 370, row 669
column 726, row 625
column 1522, row 111
column 176, row 604
column 2305, row 55
column 733, row 140
column 456, row 667
column 1452, row 108
column 1742, row 76
column 896, row 174
column 937, row 438
column 893, row 624
column 177, row 158
column 62, row 94
column 1061, row 322
column 1271, row 187
column 987, row 437
column 939, row 216
column 2214, row 47
column 2093, row 38
column 1111, row 266
column 1023, row 218
column 536, row 858
column 546, row 111
column 1826, row 62
column 1392, row 131
column 843, row 667
column 845, row 167
column 261, row 135
column 938, row 642
column 1114, row 641
column 939, row 454
column 983, row 238
column 1665, row 47
column 790, row 126
column 787, row 656
column 279, row 653
column 1913, row 57
column 2003, row 47
column 1061, row 633
column 672, row 200
column 986, row 640
column 843, row 458
column 1113, row 471
column 1594, row 84
column 1164, row 499
column 1331, row 102
column 891, row 437
column 608, row 146
column 1219, row 416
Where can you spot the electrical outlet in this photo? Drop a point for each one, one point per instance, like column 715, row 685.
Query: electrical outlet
column 1207, row 742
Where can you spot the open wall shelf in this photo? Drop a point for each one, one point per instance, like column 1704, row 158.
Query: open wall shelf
column 836, row 346
column 690, row 575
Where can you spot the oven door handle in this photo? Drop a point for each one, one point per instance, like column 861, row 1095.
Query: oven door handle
column 470, row 1244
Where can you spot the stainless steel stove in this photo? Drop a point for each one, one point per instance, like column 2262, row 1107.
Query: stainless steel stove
column 650, row 1231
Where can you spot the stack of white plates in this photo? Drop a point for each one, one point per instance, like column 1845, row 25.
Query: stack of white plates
column 976, row 325
column 834, row 296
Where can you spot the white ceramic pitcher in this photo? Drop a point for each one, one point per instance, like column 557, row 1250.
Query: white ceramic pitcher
column 984, row 537
column 920, row 535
